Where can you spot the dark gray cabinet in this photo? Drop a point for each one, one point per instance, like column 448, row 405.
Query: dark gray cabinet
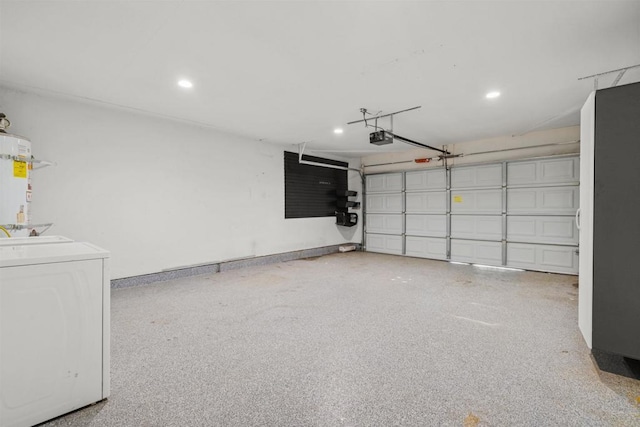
column 609, row 312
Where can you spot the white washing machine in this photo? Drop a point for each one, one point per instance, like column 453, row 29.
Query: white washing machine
column 54, row 328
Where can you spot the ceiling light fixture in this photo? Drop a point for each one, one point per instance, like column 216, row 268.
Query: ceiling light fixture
column 185, row 84
column 492, row 95
column 338, row 131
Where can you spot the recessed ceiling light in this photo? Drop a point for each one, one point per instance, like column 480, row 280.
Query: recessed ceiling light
column 492, row 95
column 185, row 83
column 338, row 130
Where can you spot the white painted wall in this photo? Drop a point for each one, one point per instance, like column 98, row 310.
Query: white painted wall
column 406, row 160
column 160, row 194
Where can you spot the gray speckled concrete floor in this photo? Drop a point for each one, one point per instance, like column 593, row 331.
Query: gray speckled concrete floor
column 356, row 339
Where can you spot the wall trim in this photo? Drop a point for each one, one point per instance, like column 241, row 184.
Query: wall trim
column 219, row 267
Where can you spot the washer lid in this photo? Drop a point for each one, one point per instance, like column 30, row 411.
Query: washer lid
column 35, row 240
column 32, row 254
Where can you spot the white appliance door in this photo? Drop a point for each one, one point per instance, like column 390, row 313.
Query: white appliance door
column 50, row 340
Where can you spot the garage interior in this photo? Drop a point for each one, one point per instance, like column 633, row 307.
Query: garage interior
column 336, row 213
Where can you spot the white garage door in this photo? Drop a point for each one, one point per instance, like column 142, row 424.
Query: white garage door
column 426, row 214
column 477, row 204
column 517, row 214
column 542, row 199
column 384, row 214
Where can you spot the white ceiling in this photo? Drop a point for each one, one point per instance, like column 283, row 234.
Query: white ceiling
column 289, row 72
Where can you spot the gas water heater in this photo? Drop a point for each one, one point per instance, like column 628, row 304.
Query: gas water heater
column 15, row 181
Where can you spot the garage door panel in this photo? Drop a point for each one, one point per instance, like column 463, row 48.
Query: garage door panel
column 552, row 258
column 478, row 227
column 384, row 243
column 479, row 252
column 388, row 182
column 543, row 172
column 477, row 176
column 431, row 202
column 385, row 203
column 560, row 170
column 543, row 229
column 426, row 225
column 521, row 200
column 384, row 223
column 556, row 198
column 521, row 173
column 426, row 247
column 544, row 200
column 435, row 179
column 476, row 201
